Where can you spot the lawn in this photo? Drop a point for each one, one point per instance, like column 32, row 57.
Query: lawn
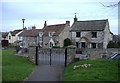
column 15, row 68
column 100, row 70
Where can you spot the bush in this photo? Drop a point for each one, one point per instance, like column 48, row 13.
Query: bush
column 67, row 42
column 113, row 44
column 56, row 47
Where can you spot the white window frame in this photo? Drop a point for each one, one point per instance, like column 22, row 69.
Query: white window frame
column 40, row 34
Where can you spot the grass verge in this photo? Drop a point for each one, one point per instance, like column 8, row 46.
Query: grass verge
column 15, row 68
column 101, row 70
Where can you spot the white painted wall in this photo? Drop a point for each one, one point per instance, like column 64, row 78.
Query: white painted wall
column 9, row 40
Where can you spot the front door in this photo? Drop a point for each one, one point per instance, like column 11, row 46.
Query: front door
column 83, row 44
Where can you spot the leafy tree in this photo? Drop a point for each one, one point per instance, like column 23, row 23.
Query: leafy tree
column 67, row 42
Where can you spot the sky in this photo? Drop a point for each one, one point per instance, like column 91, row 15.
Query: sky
column 36, row 12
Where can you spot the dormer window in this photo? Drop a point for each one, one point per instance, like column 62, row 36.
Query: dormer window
column 40, row 34
column 51, row 34
column 94, row 34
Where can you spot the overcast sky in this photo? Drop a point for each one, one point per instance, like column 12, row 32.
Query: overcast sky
column 55, row 12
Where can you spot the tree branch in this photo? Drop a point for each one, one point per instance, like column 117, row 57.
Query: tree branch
column 112, row 5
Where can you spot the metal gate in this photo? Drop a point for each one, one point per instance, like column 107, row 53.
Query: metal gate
column 54, row 56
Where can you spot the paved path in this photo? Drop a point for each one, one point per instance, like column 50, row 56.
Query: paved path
column 46, row 73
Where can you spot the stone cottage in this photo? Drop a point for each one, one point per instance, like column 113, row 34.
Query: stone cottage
column 90, row 33
column 49, row 36
column 29, row 37
column 54, row 35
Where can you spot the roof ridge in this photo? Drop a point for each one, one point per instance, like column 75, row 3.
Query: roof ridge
column 93, row 20
column 18, row 29
column 56, row 25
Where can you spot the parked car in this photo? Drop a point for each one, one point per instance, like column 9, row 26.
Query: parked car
column 115, row 56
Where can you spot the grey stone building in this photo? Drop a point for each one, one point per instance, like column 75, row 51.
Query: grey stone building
column 54, row 35
column 49, row 36
column 29, row 37
column 90, row 33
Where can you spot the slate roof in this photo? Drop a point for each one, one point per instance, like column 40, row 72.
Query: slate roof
column 58, row 28
column 116, row 37
column 90, row 25
column 4, row 34
column 30, row 33
column 15, row 32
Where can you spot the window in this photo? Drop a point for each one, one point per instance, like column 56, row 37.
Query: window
column 51, row 34
column 78, row 34
column 83, row 45
column 9, row 37
column 40, row 34
column 94, row 34
column 51, row 44
column 20, row 38
column 77, row 44
column 93, row 45
column 100, row 45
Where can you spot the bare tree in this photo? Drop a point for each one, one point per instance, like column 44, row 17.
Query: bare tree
column 112, row 5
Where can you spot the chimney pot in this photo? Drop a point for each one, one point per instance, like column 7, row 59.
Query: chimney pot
column 45, row 24
column 33, row 27
column 68, row 23
column 25, row 28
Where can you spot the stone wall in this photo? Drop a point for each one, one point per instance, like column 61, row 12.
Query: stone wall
column 71, row 52
column 100, row 53
column 31, row 54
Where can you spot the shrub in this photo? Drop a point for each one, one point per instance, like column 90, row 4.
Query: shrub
column 56, row 47
column 67, row 42
column 113, row 44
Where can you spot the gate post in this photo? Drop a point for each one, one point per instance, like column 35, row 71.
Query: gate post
column 36, row 58
column 50, row 56
column 65, row 57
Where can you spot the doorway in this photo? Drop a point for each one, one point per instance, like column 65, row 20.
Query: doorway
column 83, row 44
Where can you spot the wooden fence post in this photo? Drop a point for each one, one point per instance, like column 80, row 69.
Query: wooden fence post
column 36, row 58
column 65, row 57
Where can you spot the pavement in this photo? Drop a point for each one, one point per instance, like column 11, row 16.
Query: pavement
column 46, row 73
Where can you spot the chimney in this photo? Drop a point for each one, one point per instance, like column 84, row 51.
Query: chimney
column 25, row 28
column 45, row 24
column 75, row 19
column 68, row 23
column 33, row 27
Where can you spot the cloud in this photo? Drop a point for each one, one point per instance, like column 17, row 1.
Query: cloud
column 56, row 12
